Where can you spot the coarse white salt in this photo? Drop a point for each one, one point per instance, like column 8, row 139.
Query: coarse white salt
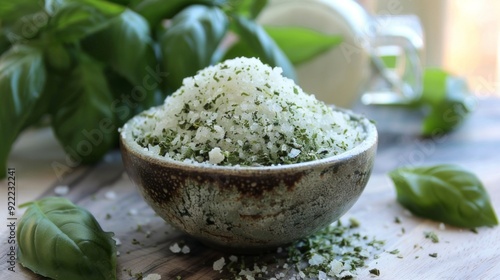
column 132, row 212
column 185, row 249
column 117, row 241
column 61, row 190
column 316, row 259
column 152, row 276
column 175, row 248
column 243, row 112
column 111, row 195
column 219, row 264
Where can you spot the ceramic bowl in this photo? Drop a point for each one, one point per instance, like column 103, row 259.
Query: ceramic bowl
column 251, row 209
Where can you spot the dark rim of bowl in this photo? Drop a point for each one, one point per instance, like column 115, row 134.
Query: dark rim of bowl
column 371, row 139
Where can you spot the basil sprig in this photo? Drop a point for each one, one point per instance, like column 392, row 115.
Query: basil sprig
column 445, row 193
column 87, row 66
column 60, row 240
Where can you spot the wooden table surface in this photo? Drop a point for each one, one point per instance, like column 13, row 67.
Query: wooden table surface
column 106, row 191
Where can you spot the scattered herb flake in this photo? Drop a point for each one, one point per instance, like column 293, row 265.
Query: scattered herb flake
column 394, row 252
column 432, row 236
column 375, row 271
column 434, row 255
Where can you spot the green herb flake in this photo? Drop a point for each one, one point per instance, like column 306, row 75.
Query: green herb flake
column 394, row 252
column 337, row 250
column 375, row 271
column 432, row 236
column 434, row 255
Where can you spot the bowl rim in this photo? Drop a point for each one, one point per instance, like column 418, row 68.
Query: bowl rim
column 127, row 144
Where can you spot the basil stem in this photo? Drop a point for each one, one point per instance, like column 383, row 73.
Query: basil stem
column 60, row 240
column 445, row 193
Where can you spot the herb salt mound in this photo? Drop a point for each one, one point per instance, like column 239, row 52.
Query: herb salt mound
column 242, row 112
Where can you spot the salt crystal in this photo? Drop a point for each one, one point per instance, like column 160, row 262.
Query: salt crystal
column 175, row 248
column 111, row 195
column 185, row 249
column 219, row 264
column 61, row 190
column 316, row 259
column 152, row 276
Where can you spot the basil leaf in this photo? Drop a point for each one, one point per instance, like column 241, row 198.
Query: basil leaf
column 248, row 8
column 434, row 86
column 301, row 44
column 191, row 42
column 22, row 78
column 12, row 11
column 75, row 21
column 60, row 240
column 25, row 28
column 449, row 99
column 254, row 35
column 57, row 57
column 4, row 42
column 445, row 193
column 84, row 122
column 127, row 47
column 156, row 10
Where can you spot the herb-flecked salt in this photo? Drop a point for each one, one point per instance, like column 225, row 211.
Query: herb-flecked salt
column 242, row 112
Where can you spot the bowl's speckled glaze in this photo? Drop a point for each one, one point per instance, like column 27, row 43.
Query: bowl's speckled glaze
column 251, row 209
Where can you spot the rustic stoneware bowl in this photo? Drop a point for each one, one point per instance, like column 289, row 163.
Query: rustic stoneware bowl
column 250, row 209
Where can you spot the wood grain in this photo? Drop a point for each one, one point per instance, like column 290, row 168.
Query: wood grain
column 145, row 238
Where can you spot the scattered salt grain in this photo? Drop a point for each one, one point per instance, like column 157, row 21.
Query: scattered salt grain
column 132, row 212
column 117, row 241
column 61, row 190
column 442, row 226
column 152, row 276
column 111, row 195
column 175, row 248
column 219, row 264
column 185, row 249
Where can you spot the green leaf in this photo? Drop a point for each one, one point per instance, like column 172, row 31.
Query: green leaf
column 191, row 42
column 60, row 240
column 434, row 86
column 26, row 28
column 445, row 193
column 4, row 42
column 11, row 11
column 105, row 7
column 262, row 45
column 301, row 44
column 156, row 10
column 84, row 122
column 75, row 20
column 449, row 99
column 127, row 47
column 57, row 57
column 22, row 79
column 247, row 8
